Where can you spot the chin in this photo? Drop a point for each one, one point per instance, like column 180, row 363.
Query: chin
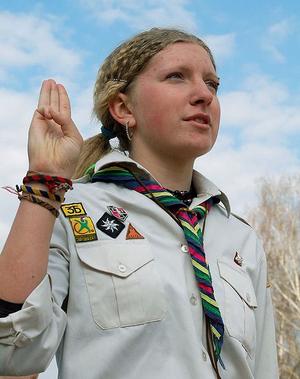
column 198, row 149
column 190, row 152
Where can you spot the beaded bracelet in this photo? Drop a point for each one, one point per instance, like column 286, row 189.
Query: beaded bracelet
column 37, row 200
column 53, row 183
column 40, row 192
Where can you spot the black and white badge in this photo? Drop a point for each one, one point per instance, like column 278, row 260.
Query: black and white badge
column 110, row 225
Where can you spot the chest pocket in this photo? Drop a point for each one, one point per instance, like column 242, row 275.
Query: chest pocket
column 240, row 303
column 123, row 286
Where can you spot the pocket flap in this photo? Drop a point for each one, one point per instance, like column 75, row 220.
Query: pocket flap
column 120, row 259
column 239, row 280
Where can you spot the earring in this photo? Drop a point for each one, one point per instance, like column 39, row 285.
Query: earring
column 127, row 131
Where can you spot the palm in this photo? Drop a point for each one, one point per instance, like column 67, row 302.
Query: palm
column 54, row 142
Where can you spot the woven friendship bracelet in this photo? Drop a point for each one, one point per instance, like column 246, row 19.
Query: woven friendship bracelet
column 37, row 200
column 40, row 192
column 54, row 183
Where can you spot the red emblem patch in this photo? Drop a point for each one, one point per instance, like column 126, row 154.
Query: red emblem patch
column 118, row 212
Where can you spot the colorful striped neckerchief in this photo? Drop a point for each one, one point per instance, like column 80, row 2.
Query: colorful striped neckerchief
column 189, row 221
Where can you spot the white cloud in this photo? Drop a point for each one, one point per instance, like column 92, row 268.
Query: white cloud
column 27, row 40
column 15, row 115
column 262, row 108
column 143, row 14
column 12, row 170
column 281, row 29
column 275, row 36
column 222, row 46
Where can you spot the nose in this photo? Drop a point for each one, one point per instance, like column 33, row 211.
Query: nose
column 200, row 93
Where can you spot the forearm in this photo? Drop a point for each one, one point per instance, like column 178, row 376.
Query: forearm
column 24, row 259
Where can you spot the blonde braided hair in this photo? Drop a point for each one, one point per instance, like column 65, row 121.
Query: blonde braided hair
column 117, row 74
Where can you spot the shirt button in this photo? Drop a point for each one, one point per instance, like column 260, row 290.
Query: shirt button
column 193, row 300
column 204, row 356
column 184, row 248
column 122, row 268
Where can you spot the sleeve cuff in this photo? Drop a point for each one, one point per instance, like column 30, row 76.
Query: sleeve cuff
column 32, row 319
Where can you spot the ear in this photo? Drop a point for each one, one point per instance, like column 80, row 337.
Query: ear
column 120, row 109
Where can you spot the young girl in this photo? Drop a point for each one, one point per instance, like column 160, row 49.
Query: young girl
column 148, row 273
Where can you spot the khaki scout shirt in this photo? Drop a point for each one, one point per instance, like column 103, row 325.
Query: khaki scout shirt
column 134, row 309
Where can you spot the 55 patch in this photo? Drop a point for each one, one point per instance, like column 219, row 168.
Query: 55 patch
column 73, row 209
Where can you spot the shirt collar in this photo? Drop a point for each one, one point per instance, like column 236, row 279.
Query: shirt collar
column 204, row 187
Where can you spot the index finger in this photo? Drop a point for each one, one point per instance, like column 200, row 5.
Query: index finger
column 44, row 97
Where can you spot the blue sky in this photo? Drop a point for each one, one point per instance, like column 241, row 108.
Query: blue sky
column 256, row 45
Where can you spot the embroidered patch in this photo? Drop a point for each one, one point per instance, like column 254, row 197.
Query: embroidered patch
column 238, row 259
column 73, row 209
column 83, row 229
column 133, row 234
column 118, row 212
column 110, row 225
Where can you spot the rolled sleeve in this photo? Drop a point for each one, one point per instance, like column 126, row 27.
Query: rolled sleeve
column 32, row 319
column 30, row 337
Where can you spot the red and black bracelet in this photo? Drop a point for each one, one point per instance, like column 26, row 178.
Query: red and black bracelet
column 53, row 183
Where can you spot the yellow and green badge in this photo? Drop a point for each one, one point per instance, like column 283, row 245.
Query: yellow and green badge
column 82, row 225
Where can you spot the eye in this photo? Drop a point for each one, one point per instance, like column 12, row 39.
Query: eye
column 175, row 75
column 212, row 85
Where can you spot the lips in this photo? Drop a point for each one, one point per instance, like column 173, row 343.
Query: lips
column 200, row 118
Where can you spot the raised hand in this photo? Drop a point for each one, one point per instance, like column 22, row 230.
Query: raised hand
column 54, row 142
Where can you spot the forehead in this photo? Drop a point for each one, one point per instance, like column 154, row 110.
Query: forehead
column 181, row 53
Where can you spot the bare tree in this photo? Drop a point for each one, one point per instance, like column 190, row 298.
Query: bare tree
column 277, row 220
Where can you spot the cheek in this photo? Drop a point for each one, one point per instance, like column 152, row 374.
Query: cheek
column 217, row 110
column 152, row 112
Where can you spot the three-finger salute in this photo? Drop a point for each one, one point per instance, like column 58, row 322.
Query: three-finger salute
column 54, row 142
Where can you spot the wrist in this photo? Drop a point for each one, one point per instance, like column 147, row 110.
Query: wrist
column 67, row 172
column 44, row 190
